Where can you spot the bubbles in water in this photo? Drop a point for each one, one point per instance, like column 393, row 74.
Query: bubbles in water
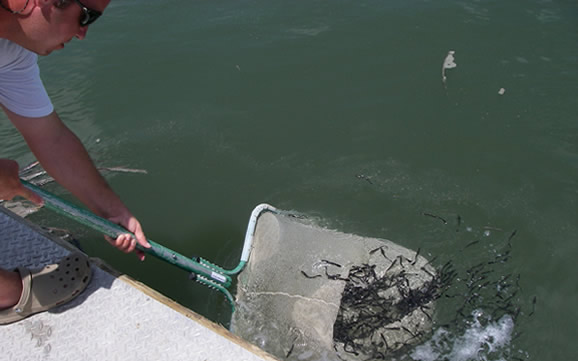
column 261, row 340
column 430, row 351
column 482, row 340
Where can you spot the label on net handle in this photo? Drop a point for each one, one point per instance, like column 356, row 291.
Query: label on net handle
column 219, row 277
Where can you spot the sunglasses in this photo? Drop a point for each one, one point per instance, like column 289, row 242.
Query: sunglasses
column 88, row 16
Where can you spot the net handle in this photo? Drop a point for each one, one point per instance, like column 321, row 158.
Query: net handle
column 113, row 230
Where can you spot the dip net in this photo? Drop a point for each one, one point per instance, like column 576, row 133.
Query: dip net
column 309, row 293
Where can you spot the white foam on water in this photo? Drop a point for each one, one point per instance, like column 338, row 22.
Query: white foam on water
column 430, row 351
column 480, row 341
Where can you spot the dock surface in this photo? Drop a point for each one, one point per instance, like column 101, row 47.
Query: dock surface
column 115, row 317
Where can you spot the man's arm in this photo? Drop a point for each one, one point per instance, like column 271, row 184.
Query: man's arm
column 64, row 157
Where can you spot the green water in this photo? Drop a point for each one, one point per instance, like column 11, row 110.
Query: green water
column 230, row 104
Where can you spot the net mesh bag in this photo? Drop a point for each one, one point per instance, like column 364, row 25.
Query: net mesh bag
column 309, row 293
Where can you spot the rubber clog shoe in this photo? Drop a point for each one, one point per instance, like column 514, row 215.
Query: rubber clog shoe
column 49, row 287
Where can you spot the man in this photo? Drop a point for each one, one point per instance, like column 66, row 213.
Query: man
column 28, row 28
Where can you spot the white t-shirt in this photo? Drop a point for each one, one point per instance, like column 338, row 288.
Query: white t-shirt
column 21, row 89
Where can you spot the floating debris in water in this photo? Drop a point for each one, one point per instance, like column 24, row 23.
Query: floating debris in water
column 364, row 177
column 37, row 176
column 22, row 208
column 124, row 170
column 40, row 177
column 449, row 63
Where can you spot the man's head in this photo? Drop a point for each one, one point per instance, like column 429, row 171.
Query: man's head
column 46, row 25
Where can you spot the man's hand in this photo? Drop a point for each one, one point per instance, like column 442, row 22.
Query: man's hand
column 126, row 242
column 10, row 185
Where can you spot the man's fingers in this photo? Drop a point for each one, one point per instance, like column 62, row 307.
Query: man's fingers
column 127, row 242
column 31, row 196
column 124, row 242
column 139, row 234
column 140, row 255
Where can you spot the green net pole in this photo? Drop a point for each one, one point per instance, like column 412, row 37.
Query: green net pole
column 113, row 230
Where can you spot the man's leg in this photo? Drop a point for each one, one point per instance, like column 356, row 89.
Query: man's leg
column 30, row 291
column 10, row 288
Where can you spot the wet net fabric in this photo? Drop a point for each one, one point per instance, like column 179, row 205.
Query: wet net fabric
column 308, row 293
